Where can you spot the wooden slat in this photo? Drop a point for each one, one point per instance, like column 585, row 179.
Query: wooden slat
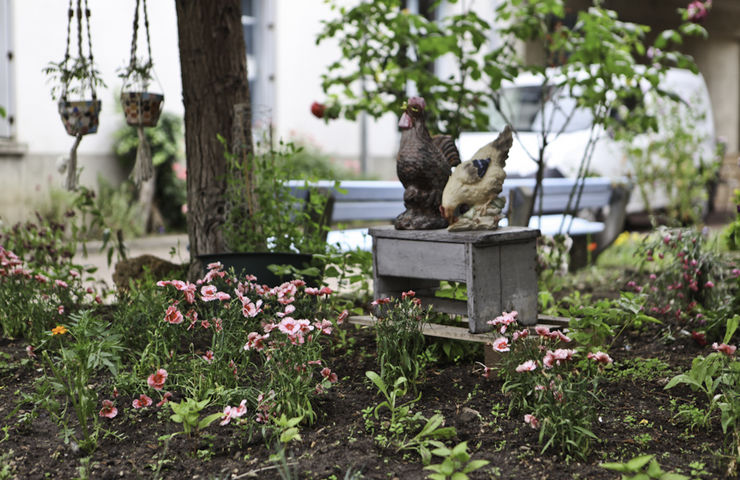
column 459, row 333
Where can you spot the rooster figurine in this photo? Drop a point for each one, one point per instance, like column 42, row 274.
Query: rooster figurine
column 470, row 200
column 423, row 167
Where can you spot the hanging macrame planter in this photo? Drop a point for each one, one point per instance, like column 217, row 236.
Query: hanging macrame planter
column 141, row 105
column 78, row 105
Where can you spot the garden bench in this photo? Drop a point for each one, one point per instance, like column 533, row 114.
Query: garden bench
column 379, row 200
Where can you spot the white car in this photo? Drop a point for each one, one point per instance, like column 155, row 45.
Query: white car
column 521, row 101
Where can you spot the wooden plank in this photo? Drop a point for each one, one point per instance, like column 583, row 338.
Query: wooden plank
column 418, row 259
column 483, row 237
column 457, row 333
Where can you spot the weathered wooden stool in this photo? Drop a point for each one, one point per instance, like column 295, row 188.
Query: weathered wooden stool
column 497, row 266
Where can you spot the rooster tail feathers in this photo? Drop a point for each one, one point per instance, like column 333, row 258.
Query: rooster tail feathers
column 446, row 145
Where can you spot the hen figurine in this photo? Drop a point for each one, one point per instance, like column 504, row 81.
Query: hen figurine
column 470, row 199
column 423, row 167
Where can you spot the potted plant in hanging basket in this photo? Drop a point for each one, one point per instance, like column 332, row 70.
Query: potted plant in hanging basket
column 74, row 81
column 141, row 106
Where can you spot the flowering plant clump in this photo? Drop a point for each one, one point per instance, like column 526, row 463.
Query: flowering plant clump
column 550, row 383
column 241, row 327
column 34, row 295
column 399, row 339
column 687, row 281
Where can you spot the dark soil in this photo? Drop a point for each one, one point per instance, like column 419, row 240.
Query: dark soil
column 635, row 418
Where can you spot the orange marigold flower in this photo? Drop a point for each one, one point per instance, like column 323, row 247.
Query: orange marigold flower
column 592, row 246
column 59, row 330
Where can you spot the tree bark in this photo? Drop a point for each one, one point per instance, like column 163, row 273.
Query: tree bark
column 213, row 64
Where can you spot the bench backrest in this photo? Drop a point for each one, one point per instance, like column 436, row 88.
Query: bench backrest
column 383, row 200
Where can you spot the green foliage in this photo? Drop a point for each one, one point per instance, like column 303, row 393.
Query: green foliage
column 405, row 430
column 388, row 47
column 88, row 348
column 642, row 369
column 188, row 411
column 166, row 143
column 644, row 467
column 718, row 376
column 731, row 233
column 456, row 464
column 277, row 221
column 399, row 338
column 672, row 161
column 120, row 208
column 73, row 76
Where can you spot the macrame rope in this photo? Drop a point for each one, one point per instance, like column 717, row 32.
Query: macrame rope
column 143, row 168
column 71, row 184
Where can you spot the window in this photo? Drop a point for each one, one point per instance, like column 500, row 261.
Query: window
column 6, row 70
column 258, row 26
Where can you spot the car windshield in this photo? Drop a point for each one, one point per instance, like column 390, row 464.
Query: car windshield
column 521, row 107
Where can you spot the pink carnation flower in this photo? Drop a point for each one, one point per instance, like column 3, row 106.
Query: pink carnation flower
column 142, row 401
column 501, row 344
column 532, row 421
column 724, row 348
column 109, row 410
column 600, row 357
column 156, row 380
column 527, row 366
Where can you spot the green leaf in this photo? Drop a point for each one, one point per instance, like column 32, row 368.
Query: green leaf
column 475, row 465
column 208, row 420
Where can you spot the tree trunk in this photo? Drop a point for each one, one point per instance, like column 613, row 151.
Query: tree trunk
column 213, row 64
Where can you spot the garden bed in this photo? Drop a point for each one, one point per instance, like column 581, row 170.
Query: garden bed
column 635, row 418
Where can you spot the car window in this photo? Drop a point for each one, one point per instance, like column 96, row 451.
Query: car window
column 522, row 107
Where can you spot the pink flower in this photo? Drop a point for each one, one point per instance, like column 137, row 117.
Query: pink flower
column 208, row 293
column 208, row 357
column 342, row 317
column 142, row 401
column 410, row 293
column 560, row 336
column 289, row 326
column 233, row 412
column 62, row 284
column 527, row 366
column 165, row 399
column 324, row 325
column 506, row 319
column 697, row 11
column 60, row 309
column 542, row 331
column 709, row 284
column 325, row 291
column 156, row 380
column 532, row 421
column 255, row 341
column 724, row 348
column 520, row 334
column 173, row 315
column 501, row 344
column 30, row 352
column 251, row 310
column 381, row 301
column 312, row 291
column 329, row 375
column 600, row 357
column 108, row 410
